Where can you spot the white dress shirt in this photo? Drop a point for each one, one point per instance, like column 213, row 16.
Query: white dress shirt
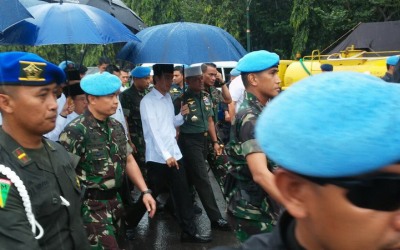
column 159, row 127
column 119, row 116
column 236, row 89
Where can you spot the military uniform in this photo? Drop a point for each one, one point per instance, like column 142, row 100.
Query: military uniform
column 130, row 101
column 103, row 150
column 215, row 162
column 175, row 91
column 193, row 143
column 47, row 173
column 254, row 212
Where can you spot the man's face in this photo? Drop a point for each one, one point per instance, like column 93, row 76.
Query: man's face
column 80, row 102
column 331, row 221
column 102, row 67
column 164, row 82
column 268, row 82
column 142, row 83
column 33, row 108
column 104, row 105
column 209, row 76
column 178, row 77
column 195, row 83
column 124, row 77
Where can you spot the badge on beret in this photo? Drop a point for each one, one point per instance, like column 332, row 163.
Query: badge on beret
column 31, row 71
column 194, row 118
column 4, row 190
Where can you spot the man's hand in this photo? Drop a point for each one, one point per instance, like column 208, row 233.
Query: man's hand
column 227, row 116
column 150, row 204
column 171, row 162
column 217, row 149
column 219, row 77
column 184, row 109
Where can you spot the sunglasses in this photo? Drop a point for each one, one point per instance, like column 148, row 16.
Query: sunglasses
column 378, row 192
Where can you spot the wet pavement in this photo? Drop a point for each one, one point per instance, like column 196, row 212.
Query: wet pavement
column 163, row 232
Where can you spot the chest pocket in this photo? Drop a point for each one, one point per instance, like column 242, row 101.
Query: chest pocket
column 98, row 158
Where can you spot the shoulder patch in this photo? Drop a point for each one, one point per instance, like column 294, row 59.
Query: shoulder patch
column 21, row 156
column 4, row 190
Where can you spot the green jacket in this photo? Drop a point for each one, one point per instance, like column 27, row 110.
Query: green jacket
column 200, row 108
column 45, row 184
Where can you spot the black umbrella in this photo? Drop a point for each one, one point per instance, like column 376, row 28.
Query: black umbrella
column 116, row 8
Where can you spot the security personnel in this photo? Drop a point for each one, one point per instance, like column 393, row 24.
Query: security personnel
column 28, row 105
column 340, row 172
column 193, row 143
column 391, row 63
column 249, row 183
column 100, row 142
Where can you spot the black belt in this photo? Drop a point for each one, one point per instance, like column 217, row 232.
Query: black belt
column 205, row 133
column 97, row 194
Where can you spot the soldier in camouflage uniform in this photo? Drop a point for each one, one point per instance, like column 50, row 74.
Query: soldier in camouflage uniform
column 249, row 183
column 177, row 84
column 219, row 100
column 130, row 101
column 100, row 142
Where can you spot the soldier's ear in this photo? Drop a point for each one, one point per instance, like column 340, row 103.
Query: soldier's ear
column 252, row 79
column 6, row 103
column 294, row 191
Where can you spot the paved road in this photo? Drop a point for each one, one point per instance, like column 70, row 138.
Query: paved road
column 163, row 232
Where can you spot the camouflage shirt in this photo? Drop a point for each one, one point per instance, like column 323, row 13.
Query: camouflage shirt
column 216, row 99
column 246, row 198
column 176, row 91
column 130, row 101
column 102, row 147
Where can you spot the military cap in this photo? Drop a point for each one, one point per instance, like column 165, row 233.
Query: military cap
column 333, row 125
column 392, row 60
column 27, row 69
column 193, row 71
column 326, row 67
column 141, row 72
column 163, row 68
column 257, row 61
column 234, row 72
column 100, row 84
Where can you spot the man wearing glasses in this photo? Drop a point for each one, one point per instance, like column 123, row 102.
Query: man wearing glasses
column 336, row 137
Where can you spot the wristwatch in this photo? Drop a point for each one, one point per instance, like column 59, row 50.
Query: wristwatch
column 148, row 191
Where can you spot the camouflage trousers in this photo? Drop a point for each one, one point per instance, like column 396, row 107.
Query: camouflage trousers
column 218, row 164
column 102, row 221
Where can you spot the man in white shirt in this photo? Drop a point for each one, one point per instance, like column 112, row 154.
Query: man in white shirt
column 236, row 89
column 162, row 151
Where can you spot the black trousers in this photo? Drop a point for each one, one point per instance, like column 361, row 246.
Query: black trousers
column 159, row 177
column 194, row 150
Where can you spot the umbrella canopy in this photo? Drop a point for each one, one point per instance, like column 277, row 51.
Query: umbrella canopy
column 11, row 12
column 67, row 24
column 182, row 42
column 116, row 8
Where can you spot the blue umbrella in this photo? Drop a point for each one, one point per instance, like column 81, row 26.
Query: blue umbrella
column 11, row 12
column 67, row 24
column 182, row 42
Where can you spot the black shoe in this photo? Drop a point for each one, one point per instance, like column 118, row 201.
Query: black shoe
column 221, row 224
column 197, row 210
column 196, row 238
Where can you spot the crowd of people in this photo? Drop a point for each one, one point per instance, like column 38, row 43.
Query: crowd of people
column 313, row 167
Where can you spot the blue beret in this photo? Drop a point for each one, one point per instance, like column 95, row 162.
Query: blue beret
column 64, row 64
column 141, row 72
column 392, row 60
column 257, row 61
column 27, row 69
column 234, row 72
column 333, row 125
column 326, row 67
column 100, row 84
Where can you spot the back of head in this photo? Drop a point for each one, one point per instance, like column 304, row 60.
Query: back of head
column 326, row 67
column 333, row 125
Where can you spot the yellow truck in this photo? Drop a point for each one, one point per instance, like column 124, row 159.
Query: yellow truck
column 351, row 59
